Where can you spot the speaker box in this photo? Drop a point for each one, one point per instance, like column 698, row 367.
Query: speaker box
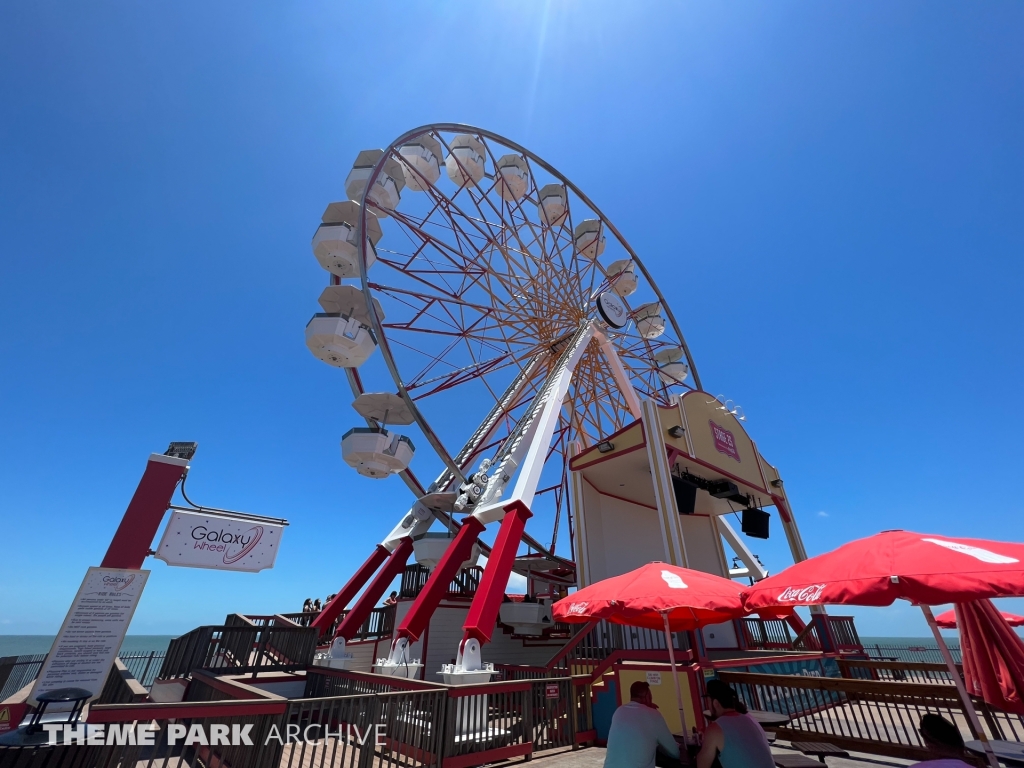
column 754, row 523
column 686, row 495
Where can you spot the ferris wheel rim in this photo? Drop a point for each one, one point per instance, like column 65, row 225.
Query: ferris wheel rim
column 378, row 328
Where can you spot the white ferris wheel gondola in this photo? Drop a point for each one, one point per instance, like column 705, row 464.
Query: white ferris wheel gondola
column 423, row 156
column 335, row 242
column 385, row 191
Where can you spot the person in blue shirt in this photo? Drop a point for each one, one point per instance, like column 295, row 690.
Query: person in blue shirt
column 638, row 731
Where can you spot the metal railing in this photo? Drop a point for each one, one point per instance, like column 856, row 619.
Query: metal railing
column 18, row 671
column 910, row 652
column 240, row 649
column 895, row 671
column 143, row 666
column 464, row 584
column 879, row 717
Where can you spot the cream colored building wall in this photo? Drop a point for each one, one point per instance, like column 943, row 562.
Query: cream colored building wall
column 620, row 535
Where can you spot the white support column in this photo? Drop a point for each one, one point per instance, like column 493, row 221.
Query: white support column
column 531, row 448
column 619, row 373
column 754, row 568
column 665, row 497
column 576, row 482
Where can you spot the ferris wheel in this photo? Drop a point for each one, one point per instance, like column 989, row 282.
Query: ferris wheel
column 479, row 297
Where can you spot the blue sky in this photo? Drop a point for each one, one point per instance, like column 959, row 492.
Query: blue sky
column 830, row 194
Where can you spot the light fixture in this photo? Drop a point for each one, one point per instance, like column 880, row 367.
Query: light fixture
column 605, row 447
column 182, row 450
column 676, row 431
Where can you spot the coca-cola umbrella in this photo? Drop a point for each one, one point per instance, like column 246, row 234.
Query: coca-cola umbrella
column 656, row 596
column 947, row 619
column 993, row 656
column 922, row 568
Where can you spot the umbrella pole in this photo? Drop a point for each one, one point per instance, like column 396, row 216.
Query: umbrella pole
column 972, row 715
column 675, row 676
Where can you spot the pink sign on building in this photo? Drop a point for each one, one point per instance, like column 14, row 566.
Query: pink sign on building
column 724, row 441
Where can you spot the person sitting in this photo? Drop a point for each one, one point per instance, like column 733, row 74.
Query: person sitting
column 392, row 599
column 735, row 738
column 943, row 739
column 638, row 731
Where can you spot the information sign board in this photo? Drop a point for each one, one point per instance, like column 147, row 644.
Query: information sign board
column 93, row 630
column 203, row 540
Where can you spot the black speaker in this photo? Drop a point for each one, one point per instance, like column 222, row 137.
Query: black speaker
column 686, row 495
column 755, row 523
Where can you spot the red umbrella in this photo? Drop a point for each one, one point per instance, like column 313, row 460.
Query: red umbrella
column 922, row 568
column 925, row 569
column 947, row 620
column 657, row 596
column 993, row 655
column 646, row 596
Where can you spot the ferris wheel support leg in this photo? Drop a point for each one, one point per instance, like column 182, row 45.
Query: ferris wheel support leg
column 416, row 620
column 374, row 591
column 483, row 613
column 333, row 609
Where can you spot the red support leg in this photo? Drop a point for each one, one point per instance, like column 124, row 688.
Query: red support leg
column 333, row 609
column 415, row 622
column 135, row 534
column 354, row 619
column 795, row 622
column 483, row 613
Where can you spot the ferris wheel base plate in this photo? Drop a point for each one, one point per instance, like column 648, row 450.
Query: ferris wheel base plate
column 410, row 670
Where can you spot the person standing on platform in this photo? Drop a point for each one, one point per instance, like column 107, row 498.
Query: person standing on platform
column 638, row 732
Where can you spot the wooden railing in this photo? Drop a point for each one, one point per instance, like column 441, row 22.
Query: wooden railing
column 464, row 584
column 484, row 723
column 240, row 649
column 844, row 633
column 879, row 717
column 765, row 634
column 596, row 647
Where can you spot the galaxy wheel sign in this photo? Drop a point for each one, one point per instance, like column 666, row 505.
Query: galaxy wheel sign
column 199, row 540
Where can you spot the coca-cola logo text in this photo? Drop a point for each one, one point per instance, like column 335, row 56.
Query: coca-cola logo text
column 809, row 594
column 577, row 609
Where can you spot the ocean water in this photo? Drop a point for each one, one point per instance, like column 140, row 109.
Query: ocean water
column 18, row 645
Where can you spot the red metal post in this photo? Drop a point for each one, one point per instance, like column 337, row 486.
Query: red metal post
column 415, row 622
column 354, row 619
column 796, row 622
column 135, row 534
column 333, row 609
column 483, row 613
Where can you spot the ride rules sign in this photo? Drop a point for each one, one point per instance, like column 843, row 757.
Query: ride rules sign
column 92, row 633
column 201, row 540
